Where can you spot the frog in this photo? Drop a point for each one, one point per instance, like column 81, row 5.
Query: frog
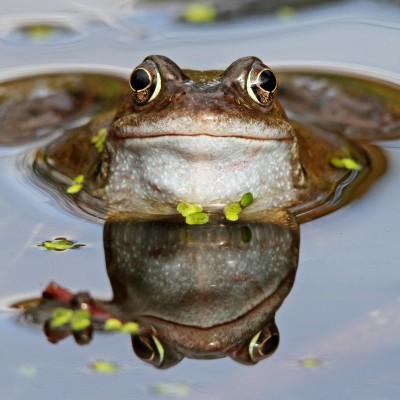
column 208, row 137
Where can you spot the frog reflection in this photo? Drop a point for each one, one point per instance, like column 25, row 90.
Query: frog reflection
column 207, row 291
column 198, row 292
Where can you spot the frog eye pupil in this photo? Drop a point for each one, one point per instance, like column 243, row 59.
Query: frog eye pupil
column 261, row 86
column 145, row 84
column 266, row 80
column 140, row 79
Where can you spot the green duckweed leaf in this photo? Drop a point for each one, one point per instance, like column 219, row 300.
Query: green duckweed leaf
column 233, row 208
column 77, row 185
column 80, row 324
column 246, row 199
column 310, row 363
column 232, row 211
column 60, row 317
column 39, row 31
column 178, row 389
column 60, row 244
column 98, row 139
column 130, row 327
column 186, row 209
column 286, row 13
column 27, row 371
column 198, row 218
column 232, row 216
column 104, row 367
column 113, row 324
column 80, row 320
column 200, row 13
column 346, row 162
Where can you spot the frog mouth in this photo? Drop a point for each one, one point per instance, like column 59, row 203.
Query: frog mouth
column 221, row 127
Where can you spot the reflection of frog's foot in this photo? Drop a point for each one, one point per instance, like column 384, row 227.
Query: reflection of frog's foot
column 63, row 314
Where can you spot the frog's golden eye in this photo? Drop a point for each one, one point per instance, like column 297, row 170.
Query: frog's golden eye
column 145, row 84
column 261, row 85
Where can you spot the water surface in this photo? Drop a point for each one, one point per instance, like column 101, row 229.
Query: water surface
column 344, row 308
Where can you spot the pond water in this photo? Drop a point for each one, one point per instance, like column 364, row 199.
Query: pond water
column 340, row 325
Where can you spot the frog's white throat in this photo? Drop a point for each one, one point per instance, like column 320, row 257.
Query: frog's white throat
column 155, row 174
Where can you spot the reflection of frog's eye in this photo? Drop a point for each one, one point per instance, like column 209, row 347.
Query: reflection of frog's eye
column 149, row 349
column 145, row 84
column 259, row 347
column 263, row 345
column 261, row 85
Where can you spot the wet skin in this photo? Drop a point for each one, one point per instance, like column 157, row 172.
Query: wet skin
column 207, row 138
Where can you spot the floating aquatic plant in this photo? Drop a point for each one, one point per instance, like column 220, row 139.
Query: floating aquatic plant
column 39, row 31
column 346, row 163
column 246, row 199
column 114, row 324
column 199, row 218
column 104, row 367
column 78, row 320
column 98, row 139
column 187, row 209
column 27, row 371
column 60, row 244
column 310, row 363
column 200, row 13
column 178, row 389
column 193, row 213
column 233, row 210
column 60, row 316
column 286, row 13
column 77, row 185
